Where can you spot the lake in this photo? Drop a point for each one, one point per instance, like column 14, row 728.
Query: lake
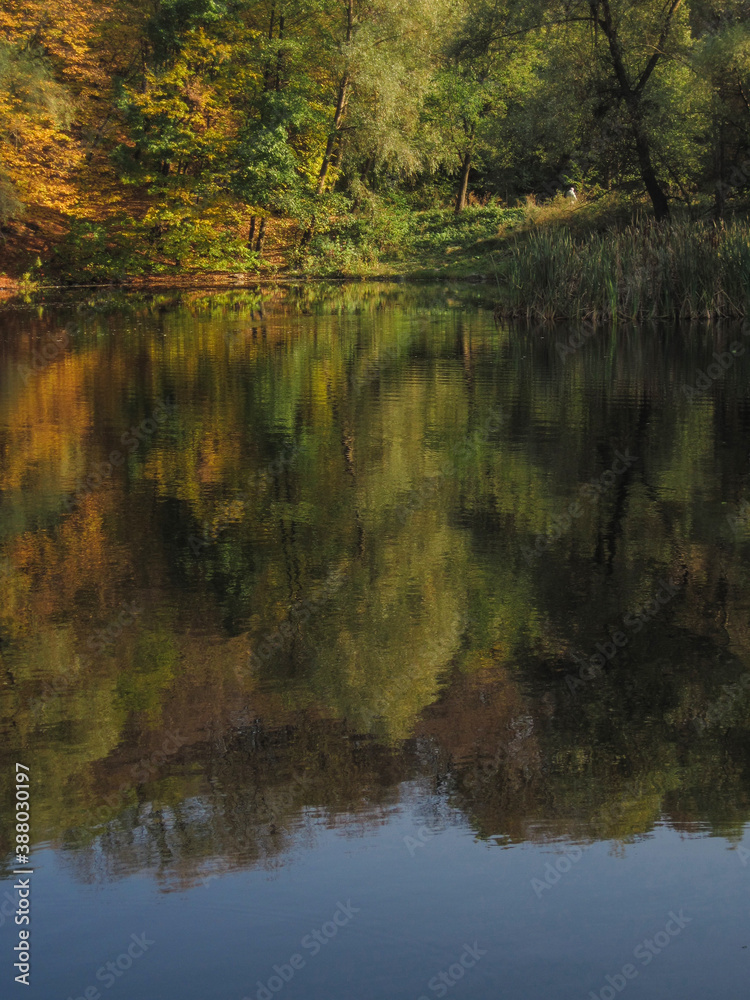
column 356, row 647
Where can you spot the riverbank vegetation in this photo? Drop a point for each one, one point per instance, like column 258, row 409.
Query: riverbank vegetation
column 683, row 270
column 368, row 137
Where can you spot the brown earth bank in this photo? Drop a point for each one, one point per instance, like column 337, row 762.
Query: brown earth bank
column 26, row 243
column 29, row 243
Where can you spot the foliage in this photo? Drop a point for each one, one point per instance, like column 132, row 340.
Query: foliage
column 300, row 131
column 34, row 108
column 353, row 234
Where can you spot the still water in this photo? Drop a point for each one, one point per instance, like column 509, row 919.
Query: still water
column 362, row 649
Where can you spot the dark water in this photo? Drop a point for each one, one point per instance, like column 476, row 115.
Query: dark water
column 360, row 649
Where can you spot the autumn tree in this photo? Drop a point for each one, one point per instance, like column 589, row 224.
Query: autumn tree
column 34, row 111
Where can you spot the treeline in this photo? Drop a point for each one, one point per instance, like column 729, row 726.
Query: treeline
column 180, row 127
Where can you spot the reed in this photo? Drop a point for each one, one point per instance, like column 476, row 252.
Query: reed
column 643, row 271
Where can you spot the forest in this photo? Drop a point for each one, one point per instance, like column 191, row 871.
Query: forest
column 367, row 137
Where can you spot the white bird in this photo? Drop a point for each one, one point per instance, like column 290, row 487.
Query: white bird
column 570, row 194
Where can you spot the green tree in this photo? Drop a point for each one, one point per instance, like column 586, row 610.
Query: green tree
column 722, row 60
column 633, row 41
column 470, row 88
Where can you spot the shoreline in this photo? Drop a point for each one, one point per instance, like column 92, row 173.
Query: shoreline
column 225, row 281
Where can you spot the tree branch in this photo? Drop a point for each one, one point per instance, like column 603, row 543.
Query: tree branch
column 659, row 49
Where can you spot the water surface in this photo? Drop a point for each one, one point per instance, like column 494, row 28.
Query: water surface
column 348, row 635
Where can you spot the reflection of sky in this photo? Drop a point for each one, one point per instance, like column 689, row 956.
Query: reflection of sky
column 416, row 914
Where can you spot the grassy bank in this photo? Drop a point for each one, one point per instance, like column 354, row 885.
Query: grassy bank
column 602, row 259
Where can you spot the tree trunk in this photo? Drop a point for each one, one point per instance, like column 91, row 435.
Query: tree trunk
column 631, row 94
column 367, row 168
column 658, row 198
column 261, row 236
column 267, row 71
column 251, row 233
column 308, row 234
column 341, row 101
column 278, row 57
column 336, row 158
column 463, row 188
column 720, row 189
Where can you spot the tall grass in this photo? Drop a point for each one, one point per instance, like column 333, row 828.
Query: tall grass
column 644, row 271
